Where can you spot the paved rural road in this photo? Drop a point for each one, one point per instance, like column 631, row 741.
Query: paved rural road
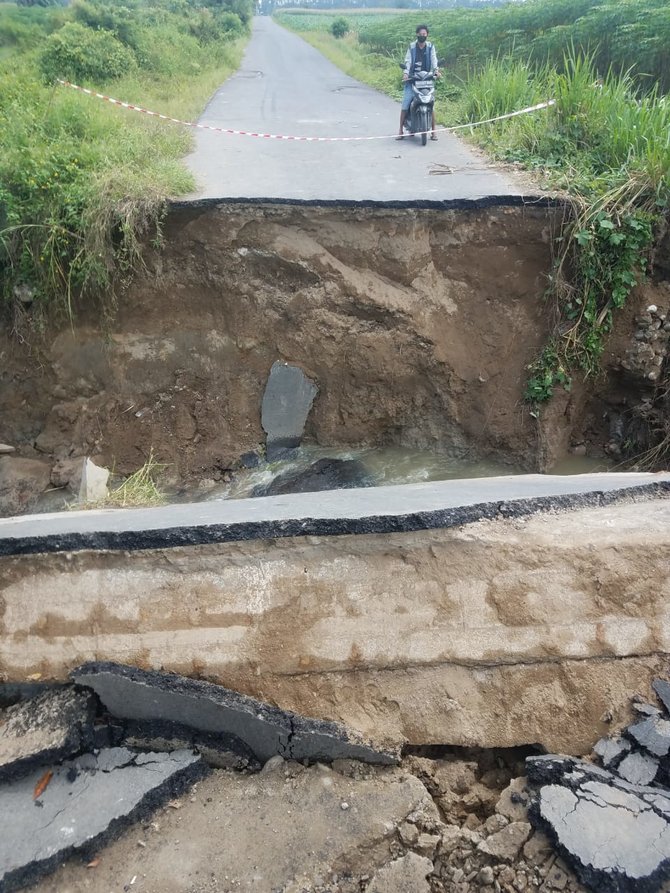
column 284, row 86
column 374, row 509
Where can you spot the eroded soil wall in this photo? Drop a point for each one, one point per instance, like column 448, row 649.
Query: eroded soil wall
column 417, row 326
column 533, row 631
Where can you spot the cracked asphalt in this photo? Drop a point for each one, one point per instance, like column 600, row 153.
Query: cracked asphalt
column 284, row 86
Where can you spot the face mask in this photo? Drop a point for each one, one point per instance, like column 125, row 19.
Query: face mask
column 421, row 39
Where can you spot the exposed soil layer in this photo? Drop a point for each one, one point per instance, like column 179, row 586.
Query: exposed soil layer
column 478, row 635
column 417, row 325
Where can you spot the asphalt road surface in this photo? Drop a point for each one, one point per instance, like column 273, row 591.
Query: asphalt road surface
column 284, row 86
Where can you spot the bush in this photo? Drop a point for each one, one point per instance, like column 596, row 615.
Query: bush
column 340, row 27
column 209, row 26
column 77, row 53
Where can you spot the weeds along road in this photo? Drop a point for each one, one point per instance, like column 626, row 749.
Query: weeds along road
column 284, row 86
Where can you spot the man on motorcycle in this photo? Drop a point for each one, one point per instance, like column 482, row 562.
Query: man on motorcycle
column 420, row 56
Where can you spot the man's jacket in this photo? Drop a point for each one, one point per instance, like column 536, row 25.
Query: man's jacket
column 427, row 57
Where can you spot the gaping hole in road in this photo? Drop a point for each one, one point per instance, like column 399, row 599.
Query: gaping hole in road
column 416, row 327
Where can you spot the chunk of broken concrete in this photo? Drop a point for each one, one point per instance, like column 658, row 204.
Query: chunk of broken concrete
column 160, row 702
column 513, row 801
column 45, row 729
column 93, row 487
column 662, row 689
column 86, row 801
column 406, row 874
column 610, row 750
column 287, row 400
column 22, row 482
column 653, row 734
column 645, row 709
column 615, row 834
column 505, row 844
column 638, row 768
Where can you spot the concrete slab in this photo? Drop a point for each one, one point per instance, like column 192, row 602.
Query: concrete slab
column 45, row 729
column 287, row 400
column 242, row 725
column 86, row 802
column 438, row 504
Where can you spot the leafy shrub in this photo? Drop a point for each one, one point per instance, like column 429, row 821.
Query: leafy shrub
column 119, row 20
column 209, row 25
column 340, row 27
column 79, row 54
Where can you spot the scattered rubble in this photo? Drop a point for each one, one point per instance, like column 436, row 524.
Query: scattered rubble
column 649, row 347
column 48, row 728
column 457, row 821
column 164, row 704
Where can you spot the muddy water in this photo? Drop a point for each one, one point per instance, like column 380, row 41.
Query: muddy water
column 384, row 466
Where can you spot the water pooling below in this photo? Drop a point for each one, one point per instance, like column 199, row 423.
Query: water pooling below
column 310, row 468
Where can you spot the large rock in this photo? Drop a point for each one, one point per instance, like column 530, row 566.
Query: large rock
column 287, row 400
column 45, row 729
column 22, row 482
column 403, row 875
column 83, row 803
column 324, row 474
column 165, row 704
column 615, row 834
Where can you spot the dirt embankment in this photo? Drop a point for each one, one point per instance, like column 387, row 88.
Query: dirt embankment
column 417, row 325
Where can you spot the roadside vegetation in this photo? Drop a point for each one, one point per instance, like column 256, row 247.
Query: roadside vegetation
column 80, row 179
column 604, row 145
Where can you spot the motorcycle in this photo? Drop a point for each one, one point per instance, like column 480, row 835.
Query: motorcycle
column 419, row 118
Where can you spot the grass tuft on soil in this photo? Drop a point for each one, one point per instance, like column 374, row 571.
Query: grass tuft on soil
column 82, row 180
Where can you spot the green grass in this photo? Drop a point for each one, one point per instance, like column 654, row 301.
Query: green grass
column 81, row 180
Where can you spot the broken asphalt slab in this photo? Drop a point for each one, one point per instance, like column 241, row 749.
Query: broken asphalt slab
column 289, row 828
column 160, row 705
column 388, row 509
column 84, row 803
column 615, row 834
column 46, row 729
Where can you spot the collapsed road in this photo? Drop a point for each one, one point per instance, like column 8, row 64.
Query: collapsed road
column 343, row 692
column 170, row 766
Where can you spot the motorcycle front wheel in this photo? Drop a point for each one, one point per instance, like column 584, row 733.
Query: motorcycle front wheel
column 424, row 121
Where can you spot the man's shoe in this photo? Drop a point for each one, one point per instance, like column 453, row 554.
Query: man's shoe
column 434, row 137
column 400, row 137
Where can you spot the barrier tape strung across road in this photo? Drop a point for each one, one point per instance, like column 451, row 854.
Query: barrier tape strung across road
column 301, row 139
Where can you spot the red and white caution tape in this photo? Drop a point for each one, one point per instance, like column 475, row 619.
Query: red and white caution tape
column 302, row 139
